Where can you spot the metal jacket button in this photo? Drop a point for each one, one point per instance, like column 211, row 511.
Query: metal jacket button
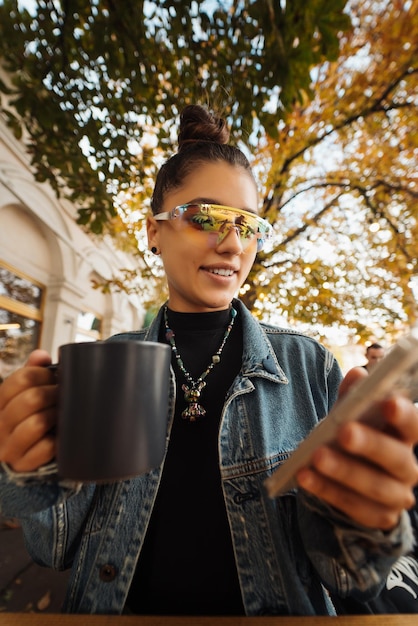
column 240, row 498
column 107, row 573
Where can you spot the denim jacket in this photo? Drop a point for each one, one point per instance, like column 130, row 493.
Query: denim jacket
column 289, row 550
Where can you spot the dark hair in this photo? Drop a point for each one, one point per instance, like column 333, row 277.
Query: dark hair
column 203, row 137
column 374, row 346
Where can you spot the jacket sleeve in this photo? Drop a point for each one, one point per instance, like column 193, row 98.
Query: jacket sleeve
column 43, row 506
column 351, row 560
column 23, row 493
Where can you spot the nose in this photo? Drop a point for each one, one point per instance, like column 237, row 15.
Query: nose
column 230, row 241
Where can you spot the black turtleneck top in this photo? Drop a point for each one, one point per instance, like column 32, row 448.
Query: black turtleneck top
column 187, row 565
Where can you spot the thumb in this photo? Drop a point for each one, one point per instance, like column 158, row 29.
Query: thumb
column 352, row 378
column 39, row 357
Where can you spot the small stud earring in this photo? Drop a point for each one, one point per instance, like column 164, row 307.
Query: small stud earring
column 154, row 250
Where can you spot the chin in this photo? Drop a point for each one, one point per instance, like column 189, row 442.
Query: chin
column 221, row 303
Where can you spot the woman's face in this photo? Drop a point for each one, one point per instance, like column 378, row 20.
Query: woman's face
column 203, row 276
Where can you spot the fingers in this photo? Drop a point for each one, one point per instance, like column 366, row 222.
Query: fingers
column 390, row 450
column 368, row 478
column 396, row 414
column 360, row 508
column 368, row 473
column 39, row 454
column 401, row 417
column 24, row 381
column 28, row 436
column 34, row 447
column 376, row 481
column 24, row 425
column 28, row 400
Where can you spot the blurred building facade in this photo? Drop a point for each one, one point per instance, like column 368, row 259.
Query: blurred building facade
column 47, row 263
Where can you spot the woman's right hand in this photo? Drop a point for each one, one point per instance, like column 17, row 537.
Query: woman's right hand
column 28, row 413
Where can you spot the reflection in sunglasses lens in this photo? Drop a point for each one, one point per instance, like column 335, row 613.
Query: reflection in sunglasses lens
column 212, row 219
column 216, row 221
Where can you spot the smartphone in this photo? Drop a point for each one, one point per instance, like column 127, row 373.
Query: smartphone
column 398, row 371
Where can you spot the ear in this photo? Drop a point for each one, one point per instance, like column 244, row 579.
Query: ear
column 153, row 233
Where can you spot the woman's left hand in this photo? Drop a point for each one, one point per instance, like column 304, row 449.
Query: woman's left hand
column 368, row 473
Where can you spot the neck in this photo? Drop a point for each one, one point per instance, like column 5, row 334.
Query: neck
column 178, row 308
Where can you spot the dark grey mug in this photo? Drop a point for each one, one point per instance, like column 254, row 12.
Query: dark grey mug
column 112, row 409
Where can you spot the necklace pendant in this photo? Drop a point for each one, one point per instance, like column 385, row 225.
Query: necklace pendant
column 193, row 411
column 191, row 395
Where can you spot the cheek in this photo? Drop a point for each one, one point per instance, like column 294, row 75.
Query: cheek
column 247, row 263
column 179, row 255
column 250, row 253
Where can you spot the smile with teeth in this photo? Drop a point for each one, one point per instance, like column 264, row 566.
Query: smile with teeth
column 221, row 272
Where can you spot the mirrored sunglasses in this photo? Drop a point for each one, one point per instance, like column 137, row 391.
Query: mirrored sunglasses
column 215, row 221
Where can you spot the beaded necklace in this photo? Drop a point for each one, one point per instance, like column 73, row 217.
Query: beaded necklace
column 193, row 390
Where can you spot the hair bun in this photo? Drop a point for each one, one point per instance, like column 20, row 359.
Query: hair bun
column 198, row 124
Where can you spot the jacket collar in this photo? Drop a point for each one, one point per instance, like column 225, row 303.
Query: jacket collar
column 259, row 358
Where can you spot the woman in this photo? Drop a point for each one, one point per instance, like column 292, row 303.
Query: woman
column 199, row 535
